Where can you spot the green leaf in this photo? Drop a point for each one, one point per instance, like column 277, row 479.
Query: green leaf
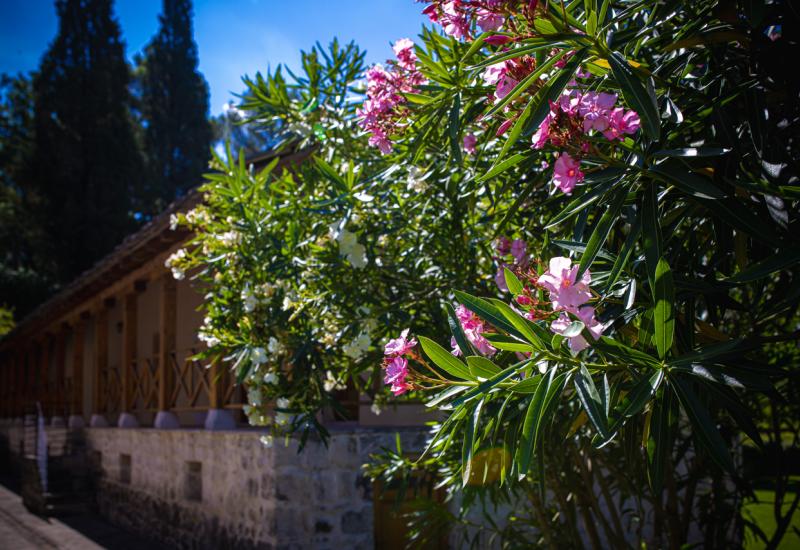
column 636, row 399
column 625, row 254
column 687, row 181
column 552, row 90
column 659, row 444
column 573, row 330
column 590, row 399
column 738, row 411
column 512, row 282
column 703, row 426
column 487, row 385
column 527, row 385
column 488, row 312
column 455, row 113
column 508, row 343
column 777, row 262
column 444, row 359
column 663, row 315
column 651, row 231
column 458, row 332
column 636, row 95
column 692, row 152
column 727, row 376
column 503, row 166
column 526, row 83
column 481, row 367
column 601, row 231
column 530, row 427
column 621, row 351
column 530, row 331
column 470, row 435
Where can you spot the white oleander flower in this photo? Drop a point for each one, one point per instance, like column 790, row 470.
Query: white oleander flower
column 258, row 356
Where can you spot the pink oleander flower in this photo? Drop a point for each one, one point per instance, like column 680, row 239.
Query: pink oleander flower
column 504, row 127
column 454, row 20
column 500, row 278
column 497, row 40
column 396, row 374
column 494, row 73
column 502, row 245
column 504, row 87
column 474, row 328
column 578, row 342
column 595, row 108
column 567, row 173
column 489, row 21
column 565, row 292
column 621, row 122
column 404, row 50
column 399, row 346
column 469, row 142
column 519, row 250
column 382, row 111
column 542, row 135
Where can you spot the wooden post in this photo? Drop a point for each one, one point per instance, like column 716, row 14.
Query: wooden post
column 167, row 324
column 101, row 358
column 78, row 341
column 216, row 386
column 59, row 394
column 43, row 393
column 166, row 340
column 128, row 349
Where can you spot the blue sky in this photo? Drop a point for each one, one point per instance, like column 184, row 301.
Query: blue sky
column 234, row 37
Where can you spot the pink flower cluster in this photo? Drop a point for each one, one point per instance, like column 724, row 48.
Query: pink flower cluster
column 474, row 328
column 456, row 16
column 395, row 365
column 575, row 115
column 382, row 111
column 518, row 249
column 569, row 295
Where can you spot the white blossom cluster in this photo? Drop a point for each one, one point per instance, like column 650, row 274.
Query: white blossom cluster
column 173, row 261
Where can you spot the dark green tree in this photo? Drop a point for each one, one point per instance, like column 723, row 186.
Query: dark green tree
column 86, row 166
column 25, row 269
column 174, row 108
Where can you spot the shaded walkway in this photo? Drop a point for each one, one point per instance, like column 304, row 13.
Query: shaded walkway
column 21, row 530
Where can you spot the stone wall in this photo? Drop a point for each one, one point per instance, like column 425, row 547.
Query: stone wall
column 200, row 489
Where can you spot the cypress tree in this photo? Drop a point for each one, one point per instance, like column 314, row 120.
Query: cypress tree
column 174, row 106
column 86, row 165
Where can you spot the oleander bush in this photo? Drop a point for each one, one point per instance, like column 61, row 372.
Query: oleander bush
column 568, row 227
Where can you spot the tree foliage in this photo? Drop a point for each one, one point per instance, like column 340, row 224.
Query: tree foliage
column 174, row 108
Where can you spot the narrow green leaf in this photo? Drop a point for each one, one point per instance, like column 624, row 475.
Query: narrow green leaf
column 636, row 95
column 453, row 128
column 601, row 231
column 458, row 332
column 530, row 427
column 777, row 262
column 503, row 166
column 692, row 152
column 651, row 231
column 481, row 367
column 470, row 435
column 487, row 385
column 512, row 282
column 444, row 359
column 703, row 426
column 503, row 342
column 488, row 312
column 624, row 254
column 527, row 385
column 590, row 399
column 687, row 181
column 663, row 315
column 659, row 444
